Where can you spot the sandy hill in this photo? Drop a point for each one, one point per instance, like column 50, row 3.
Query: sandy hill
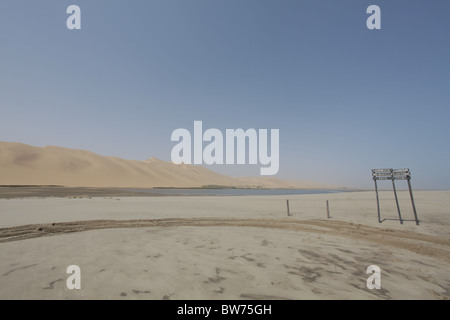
column 22, row 164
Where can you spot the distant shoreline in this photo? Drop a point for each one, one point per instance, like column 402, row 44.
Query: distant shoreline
column 11, row 192
column 48, row 191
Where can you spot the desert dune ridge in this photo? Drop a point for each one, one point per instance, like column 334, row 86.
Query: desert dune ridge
column 22, row 164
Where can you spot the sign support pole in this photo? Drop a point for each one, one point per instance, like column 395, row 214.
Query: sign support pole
column 412, row 201
column 396, row 201
column 378, row 201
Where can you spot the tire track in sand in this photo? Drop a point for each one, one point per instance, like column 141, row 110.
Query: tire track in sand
column 437, row 247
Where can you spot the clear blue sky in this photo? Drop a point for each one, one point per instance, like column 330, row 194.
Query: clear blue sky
column 346, row 99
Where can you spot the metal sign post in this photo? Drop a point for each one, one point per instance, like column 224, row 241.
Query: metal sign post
column 394, row 174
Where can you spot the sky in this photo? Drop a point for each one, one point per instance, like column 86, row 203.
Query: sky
column 345, row 99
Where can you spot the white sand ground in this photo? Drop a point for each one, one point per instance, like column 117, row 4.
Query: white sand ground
column 319, row 259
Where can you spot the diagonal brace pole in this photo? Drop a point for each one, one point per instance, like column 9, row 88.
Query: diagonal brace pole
column 396, row 201
column 412, row 201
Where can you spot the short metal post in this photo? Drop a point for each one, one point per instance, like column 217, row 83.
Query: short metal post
column 287, row 204
column 328, row 210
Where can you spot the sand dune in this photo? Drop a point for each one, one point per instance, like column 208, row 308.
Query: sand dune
column 22, row 164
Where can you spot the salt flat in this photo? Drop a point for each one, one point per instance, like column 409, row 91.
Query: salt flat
column 225, row 247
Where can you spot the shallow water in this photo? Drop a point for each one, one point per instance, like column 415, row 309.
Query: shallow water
column 231, row 192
